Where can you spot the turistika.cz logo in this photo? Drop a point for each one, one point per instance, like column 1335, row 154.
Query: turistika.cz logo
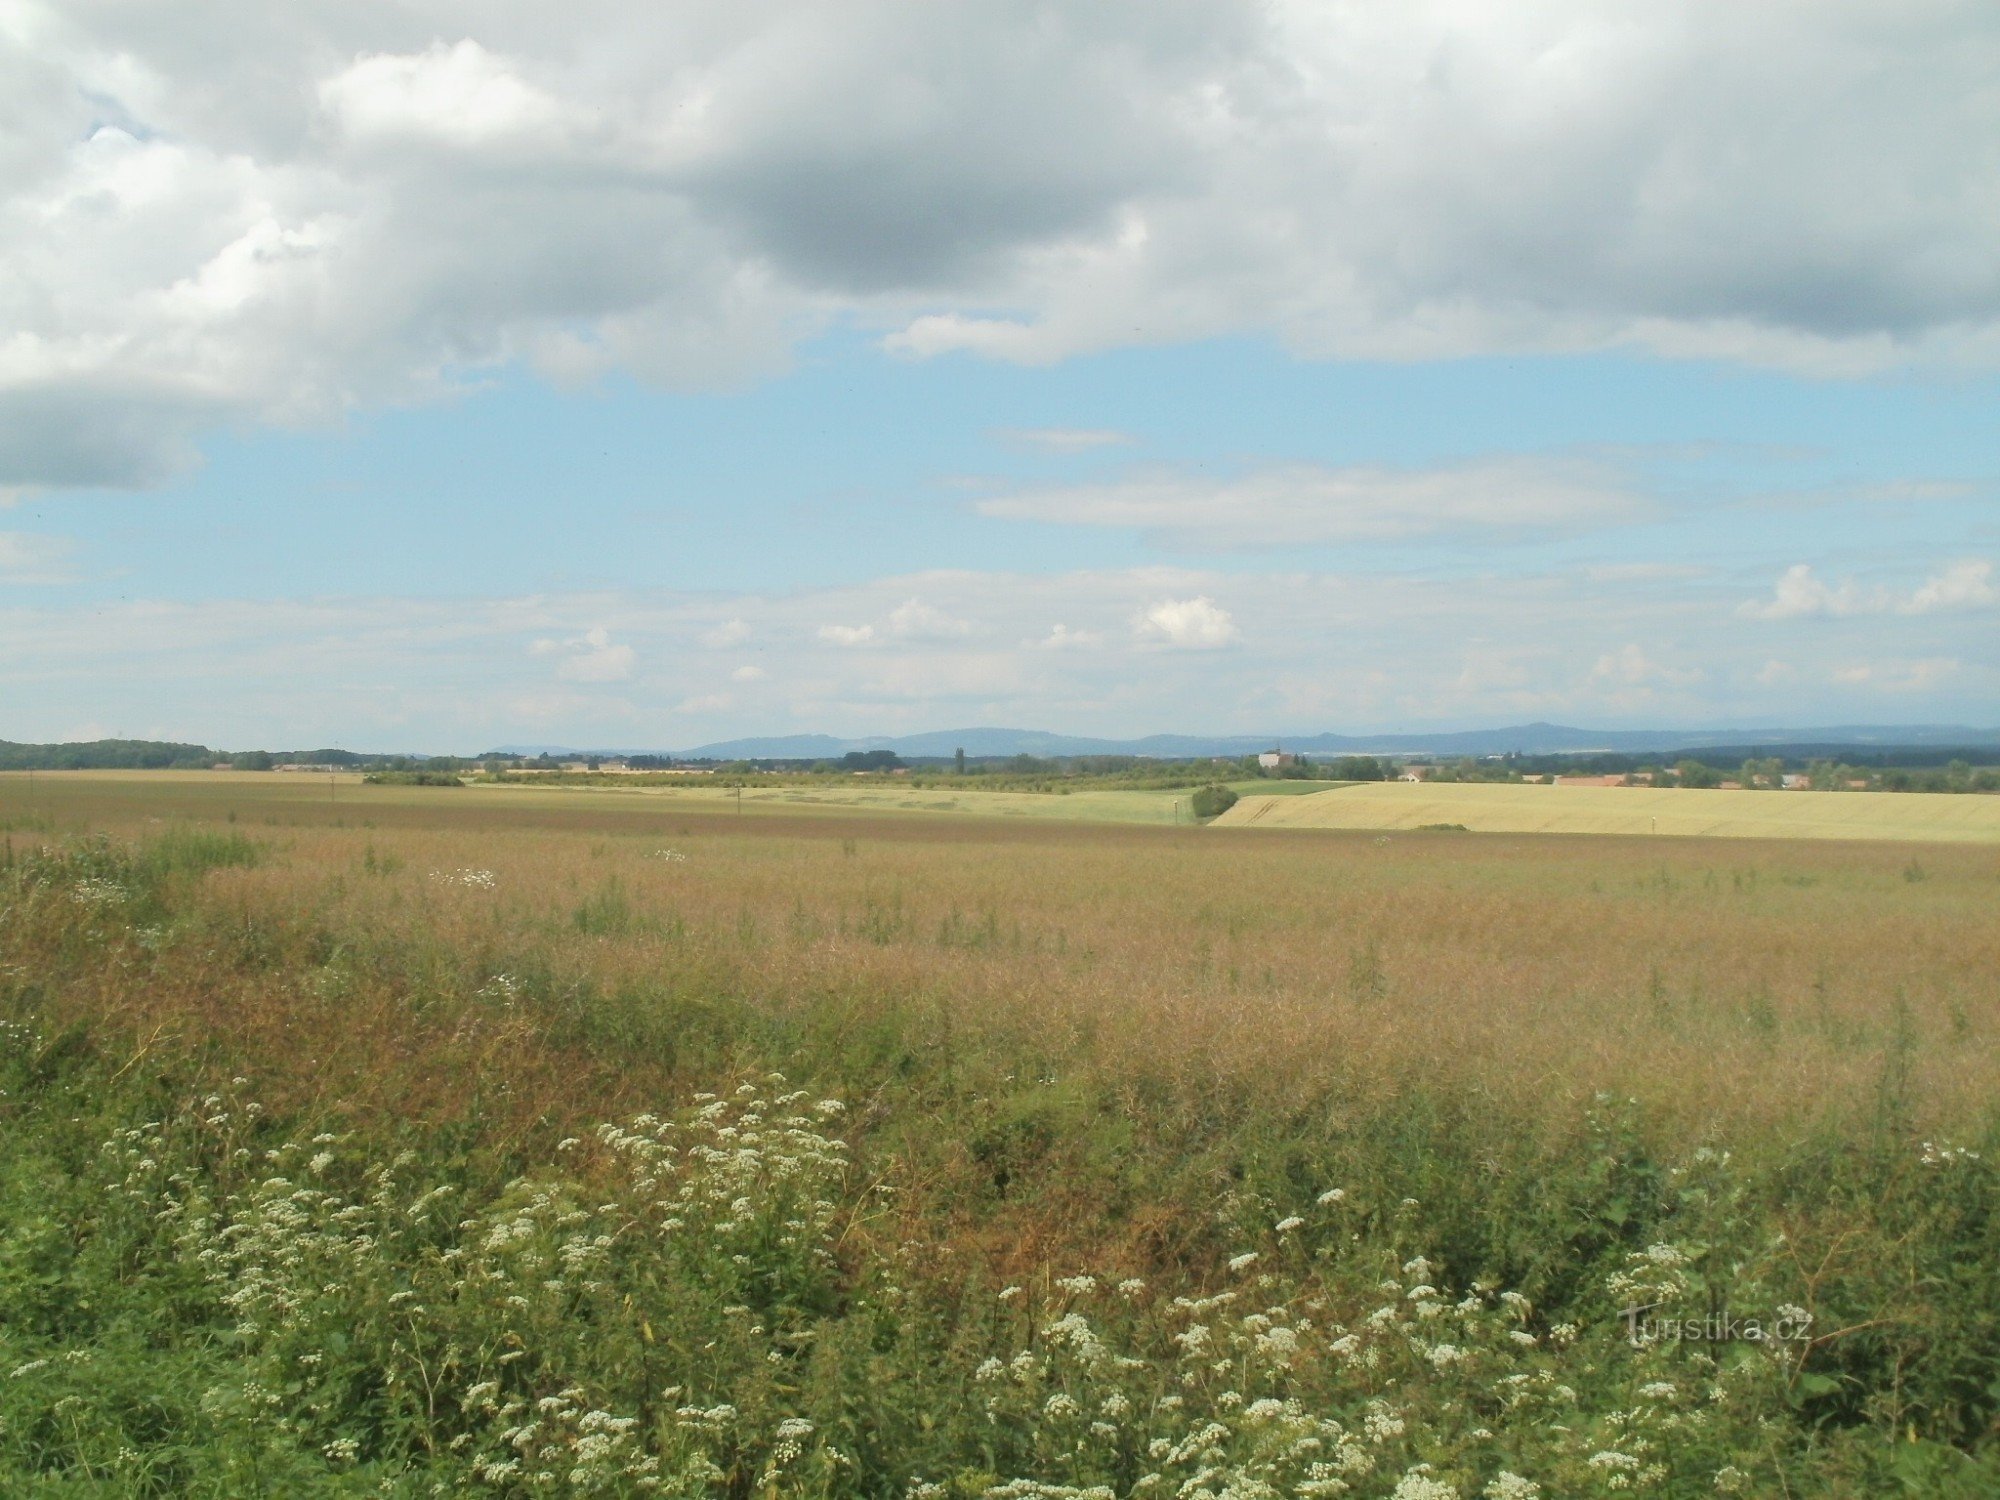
column 1787, row 1326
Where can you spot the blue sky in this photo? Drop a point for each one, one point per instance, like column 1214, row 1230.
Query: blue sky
column 480, row 398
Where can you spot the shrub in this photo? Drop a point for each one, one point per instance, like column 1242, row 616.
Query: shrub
column 1212, row 801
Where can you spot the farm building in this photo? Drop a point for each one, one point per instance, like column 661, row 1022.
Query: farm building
column 1271, row 760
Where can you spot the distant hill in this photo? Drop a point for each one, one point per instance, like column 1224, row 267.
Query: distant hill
column 1526, row 739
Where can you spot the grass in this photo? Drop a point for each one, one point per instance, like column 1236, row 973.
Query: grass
column 427, row 1142
column 1503, row 808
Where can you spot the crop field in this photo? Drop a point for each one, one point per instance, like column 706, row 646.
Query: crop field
column 510, row 1141
column 1502, row 808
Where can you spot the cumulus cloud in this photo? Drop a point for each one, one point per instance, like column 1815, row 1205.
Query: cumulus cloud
column 912, row 620
column 590, row 657
column 1800, row 591
column 1307, row 651
column 1967, row 584
column 1304, row 503
column 1197, row 624
column 248, row 213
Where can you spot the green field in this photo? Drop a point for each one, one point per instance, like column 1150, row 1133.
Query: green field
column 1502, row 808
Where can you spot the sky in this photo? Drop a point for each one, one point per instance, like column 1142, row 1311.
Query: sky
column 429, row 376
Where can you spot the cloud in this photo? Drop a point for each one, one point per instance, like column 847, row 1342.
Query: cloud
column 912, row 620
column 258, row 214
column 747, row 674
column 1303, row 503
column 1799, row 592
column 847, row 635
column 1899, row 676
column 1062, row 638
column 1306, row 651
column 728, row 633
column 1064, row 439
column 1197, row 624
column 459, row 96
column 30, row 557
column 1967, row 584
column 1630, row 666
column 590, row 657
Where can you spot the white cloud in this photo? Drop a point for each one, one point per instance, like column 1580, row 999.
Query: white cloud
column 1962, row 585
column 590, row 657
column 1899, row 676
column 914, row 620
column 747, row 674
column 249, row 213
column 1305, row 503
column 1630, row 666
column 460, row 96
column 1801, row 591
column 1967, row 584
column 1197, row 624
column 727, row 633
column 1062, row 638
column 30, row 557
column 1307, row 651
column 1064, row 439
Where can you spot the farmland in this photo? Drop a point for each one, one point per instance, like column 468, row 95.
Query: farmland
column 1675, row 812
column 401, row 1140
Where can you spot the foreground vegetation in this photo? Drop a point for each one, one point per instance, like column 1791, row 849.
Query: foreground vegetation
column 413, row 1146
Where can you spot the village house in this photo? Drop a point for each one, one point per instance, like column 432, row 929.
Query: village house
column 1271, row 760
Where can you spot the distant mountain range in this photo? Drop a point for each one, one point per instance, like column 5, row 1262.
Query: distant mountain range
column 1526, row 739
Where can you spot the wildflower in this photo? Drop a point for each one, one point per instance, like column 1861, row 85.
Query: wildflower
column 1286, row 1226
column 1331, row 1196
column 1510, row 1486
column 1418, row 1485
column 1244, row 1261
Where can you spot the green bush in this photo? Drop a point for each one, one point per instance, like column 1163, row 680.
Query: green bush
column 1212, row 801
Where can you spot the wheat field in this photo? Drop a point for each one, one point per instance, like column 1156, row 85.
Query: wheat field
column 1483, row 807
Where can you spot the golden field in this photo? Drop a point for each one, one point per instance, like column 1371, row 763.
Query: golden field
column 1495, row 807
